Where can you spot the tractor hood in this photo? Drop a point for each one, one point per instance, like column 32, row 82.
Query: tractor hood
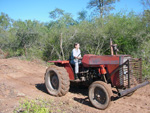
column 90, row 60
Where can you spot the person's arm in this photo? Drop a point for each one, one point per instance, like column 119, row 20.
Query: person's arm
column 79, row 56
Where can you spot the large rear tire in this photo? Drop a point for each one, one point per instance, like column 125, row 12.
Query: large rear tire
column 100, row 95
column 57, row 80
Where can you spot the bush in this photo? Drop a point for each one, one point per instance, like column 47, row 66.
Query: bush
column 32, row 106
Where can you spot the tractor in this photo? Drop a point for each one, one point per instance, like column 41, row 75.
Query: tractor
column 101, row 72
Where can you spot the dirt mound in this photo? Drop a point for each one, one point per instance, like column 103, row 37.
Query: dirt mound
column 20, row 79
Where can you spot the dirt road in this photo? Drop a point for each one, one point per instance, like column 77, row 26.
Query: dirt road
column 23, row 79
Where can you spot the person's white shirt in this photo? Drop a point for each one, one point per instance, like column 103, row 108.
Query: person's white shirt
column 75, row 53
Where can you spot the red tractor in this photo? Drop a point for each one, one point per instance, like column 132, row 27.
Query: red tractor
column 102, row 73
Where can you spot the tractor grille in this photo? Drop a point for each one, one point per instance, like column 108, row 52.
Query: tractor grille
column 130, row 73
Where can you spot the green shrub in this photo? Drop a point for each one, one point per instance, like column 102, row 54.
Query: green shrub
column 32, row 106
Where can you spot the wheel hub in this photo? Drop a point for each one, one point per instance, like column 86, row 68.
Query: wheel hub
column 54, row 81
column 100, row 95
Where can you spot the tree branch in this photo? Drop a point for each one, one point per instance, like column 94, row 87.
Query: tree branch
column 61, row 48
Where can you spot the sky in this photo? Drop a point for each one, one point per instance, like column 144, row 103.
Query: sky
column 39, row 9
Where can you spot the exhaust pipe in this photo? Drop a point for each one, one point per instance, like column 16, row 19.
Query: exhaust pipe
column 125, row 92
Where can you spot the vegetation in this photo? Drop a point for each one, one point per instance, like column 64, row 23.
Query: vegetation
column 102, row 6
column 45, row 106
column 55, row 39
column 32, row 106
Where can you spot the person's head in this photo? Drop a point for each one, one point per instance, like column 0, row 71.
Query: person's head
column 77, row 45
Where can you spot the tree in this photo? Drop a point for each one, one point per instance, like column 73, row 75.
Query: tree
column 26, row 35
column 59, row 34
column 146, row 14
column 146, row 4
column 56, row 13
column 145, row 46
column 146, row 20
column 82, row 15
column 5, row 21
column 102, row 6
column 5, row 25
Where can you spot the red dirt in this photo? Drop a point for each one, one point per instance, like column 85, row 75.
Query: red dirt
column 23, row 79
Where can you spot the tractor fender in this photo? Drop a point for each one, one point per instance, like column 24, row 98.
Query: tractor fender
column 67, row 66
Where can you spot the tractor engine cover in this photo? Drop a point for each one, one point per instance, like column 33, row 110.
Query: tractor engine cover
column 111, row 62
column 90, row 60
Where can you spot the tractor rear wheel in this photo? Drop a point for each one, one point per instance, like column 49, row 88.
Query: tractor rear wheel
column 57, row 80
column 100, row 95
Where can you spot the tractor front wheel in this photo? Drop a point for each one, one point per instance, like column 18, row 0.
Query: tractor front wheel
column 99, row 95
column 57, row 80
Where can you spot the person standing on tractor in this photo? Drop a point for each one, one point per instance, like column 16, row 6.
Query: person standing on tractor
column 75, row 58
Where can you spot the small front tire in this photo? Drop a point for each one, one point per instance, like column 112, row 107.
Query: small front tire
column 99, row 95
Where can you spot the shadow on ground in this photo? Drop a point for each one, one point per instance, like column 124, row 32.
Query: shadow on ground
column 84, row 101
column 76, row 88
column 41, row 87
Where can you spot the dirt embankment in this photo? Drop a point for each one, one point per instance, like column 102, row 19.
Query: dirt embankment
column 23, row 79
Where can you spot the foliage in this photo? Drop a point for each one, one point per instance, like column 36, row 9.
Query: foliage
column 33, row 106
column 56, row 13
column 45, row 106
column 55, row 40
column 5, row 24
column 146, row 4
column 144, row 53
column 102, row 6
column 82, row 15
column 5, row 21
